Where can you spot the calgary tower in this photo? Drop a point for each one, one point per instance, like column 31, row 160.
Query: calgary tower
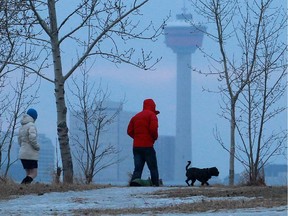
column 183, row 37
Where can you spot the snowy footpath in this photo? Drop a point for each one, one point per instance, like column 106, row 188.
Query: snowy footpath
column 112, row 198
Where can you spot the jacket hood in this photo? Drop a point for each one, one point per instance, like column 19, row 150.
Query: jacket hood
column 26, row 119
column 149, row 104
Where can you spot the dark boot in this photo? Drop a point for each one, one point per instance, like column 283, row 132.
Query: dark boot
column 27, row 180
column 24, row 180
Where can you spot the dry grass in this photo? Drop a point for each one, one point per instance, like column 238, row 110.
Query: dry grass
column 9, row 190
column 267, row 197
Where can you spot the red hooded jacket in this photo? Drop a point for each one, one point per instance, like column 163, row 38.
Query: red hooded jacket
column 143, row 127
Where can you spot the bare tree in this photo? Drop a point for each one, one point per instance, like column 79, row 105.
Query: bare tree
column 7, row 40
column 259, row 102
column 240, row 72
column 16, row 102
column 13, row 50
column 93, row 28
column 91, row 119
column 13, row 25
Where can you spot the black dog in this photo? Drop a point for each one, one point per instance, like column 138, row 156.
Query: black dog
column 202, row 175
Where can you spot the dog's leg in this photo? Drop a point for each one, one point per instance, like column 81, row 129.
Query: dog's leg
column 203, row 183
column 187, row 181
column 193, row 181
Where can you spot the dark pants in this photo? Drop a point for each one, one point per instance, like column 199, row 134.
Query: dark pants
column 148, row 155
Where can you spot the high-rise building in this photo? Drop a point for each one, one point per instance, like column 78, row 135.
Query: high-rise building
column 183, row 38
column 165, row 149
column 46, row 164
column 121, row 159
column 110, row 147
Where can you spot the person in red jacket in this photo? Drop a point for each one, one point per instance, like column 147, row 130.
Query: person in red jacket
column 143, row 129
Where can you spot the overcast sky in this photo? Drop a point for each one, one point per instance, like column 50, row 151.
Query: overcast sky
column 160, row 84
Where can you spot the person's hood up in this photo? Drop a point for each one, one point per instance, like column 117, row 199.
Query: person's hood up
column 149, row 104
column 26, row 119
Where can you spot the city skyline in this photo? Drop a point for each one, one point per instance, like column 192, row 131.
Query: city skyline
column 160, row 84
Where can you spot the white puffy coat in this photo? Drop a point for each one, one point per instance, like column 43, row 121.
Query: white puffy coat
column 27, row 139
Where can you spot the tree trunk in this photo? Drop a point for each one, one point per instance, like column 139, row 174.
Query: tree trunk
column 62, row 129
column 232, row 144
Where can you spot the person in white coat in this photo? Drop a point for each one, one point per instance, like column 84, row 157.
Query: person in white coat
column 29, row 147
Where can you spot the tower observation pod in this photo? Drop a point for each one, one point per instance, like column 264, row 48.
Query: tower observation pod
column 183, row 38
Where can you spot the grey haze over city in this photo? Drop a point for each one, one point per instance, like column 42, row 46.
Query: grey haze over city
column 135, row 85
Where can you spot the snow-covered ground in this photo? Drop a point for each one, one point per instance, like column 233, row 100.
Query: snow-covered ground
column 114, row 198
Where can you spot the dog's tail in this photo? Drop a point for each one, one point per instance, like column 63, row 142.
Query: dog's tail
column 189, row 162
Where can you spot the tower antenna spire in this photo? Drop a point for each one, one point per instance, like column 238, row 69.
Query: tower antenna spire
column 184, row 8
column 185, row 15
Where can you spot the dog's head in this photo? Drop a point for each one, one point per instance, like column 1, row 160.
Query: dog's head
column 213, row 171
